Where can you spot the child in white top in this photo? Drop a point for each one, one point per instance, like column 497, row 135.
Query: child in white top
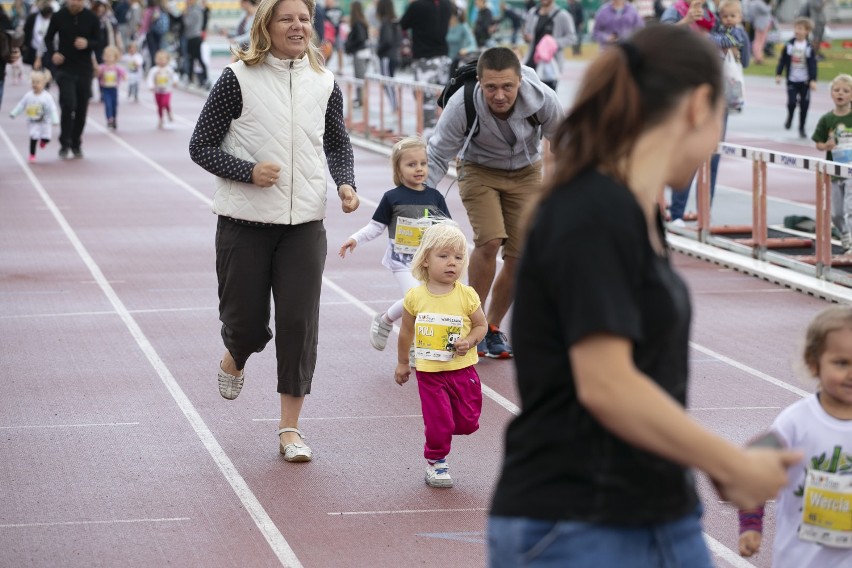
column 40, row 110
column 445, row 320
column 134, row 63
column 814, row 511
column 161, row 79
column 404, row 212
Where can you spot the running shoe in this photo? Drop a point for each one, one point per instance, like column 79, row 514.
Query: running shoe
column 438, row 474
column 497, row 344
column 379, row 332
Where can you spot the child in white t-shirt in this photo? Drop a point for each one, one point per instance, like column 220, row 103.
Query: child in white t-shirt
column 40, row 110
column 134, row 63
column 813, row 525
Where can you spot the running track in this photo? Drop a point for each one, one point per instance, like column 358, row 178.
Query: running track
column 117, row 450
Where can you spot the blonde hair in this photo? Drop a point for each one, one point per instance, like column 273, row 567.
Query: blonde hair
column 260, row 42
column 830, row 319
column 164, row 53
column 842, row 78
column 402, row 146
column 445, row 233
column 42, row 74
column 730, row 4
column 803, row 21
column 114, row 51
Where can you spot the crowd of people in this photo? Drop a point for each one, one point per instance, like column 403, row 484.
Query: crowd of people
column 603, row 376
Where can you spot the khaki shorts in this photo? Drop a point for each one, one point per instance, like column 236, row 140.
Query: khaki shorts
column 497, row 201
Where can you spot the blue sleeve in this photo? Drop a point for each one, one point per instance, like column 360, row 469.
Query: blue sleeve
column 783, row 61
column 442, row 205
column 812, row 66
column 384, row 211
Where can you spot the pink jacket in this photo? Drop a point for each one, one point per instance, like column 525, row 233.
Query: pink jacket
column 546, row 49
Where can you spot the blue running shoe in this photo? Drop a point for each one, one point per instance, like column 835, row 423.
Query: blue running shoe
column 482, row 347
column 497, row 344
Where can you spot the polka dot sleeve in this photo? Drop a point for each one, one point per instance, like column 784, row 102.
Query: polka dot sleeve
column 336, row 143
column 224, row 104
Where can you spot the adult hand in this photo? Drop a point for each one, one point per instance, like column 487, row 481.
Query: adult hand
column 348, row 198
column 813, row 85
column 777, row 79
column 265, row 174
column 349, row 245
column 402, row 373
column 81, row 43
column 37, row 63
column 57, row 58
column 760, row 475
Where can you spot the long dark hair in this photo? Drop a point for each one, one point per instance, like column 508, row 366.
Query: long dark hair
column 385, row 10
column 628, row 89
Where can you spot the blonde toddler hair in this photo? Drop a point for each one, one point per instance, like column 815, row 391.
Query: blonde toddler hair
column 403, row 145
column 735, row 4
column 803, row 21
column 830, row 319
column 114, row 51
column 842, row 78
column 443, row 234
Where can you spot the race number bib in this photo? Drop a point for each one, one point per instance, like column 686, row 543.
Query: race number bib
column 162, row 81
column 843, row 151
column 35, row 111
column 110, row 78
column 408, row 234
column 435, row 336
column 827, row 509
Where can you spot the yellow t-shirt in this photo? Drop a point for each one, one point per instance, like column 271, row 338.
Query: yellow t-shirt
column 439, row 321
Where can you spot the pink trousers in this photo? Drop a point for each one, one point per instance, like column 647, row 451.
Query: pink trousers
column 451, row 403
column 164, row 102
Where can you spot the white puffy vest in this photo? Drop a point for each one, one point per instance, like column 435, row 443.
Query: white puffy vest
column 282, row 121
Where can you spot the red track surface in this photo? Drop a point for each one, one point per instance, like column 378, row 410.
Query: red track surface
column 117, row 449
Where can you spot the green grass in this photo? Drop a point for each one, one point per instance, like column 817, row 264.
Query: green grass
column 838, row 59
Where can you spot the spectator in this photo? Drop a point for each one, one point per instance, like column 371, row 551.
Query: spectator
column 500, row 172
column 575, row 8
column 427, row 22
column 460, row 41
column 77, row 30
column 548, row 19
column 484, row 24
column 193, row 22
column 35, row 29
column 389, row 42
column 154, row 26
column 121, row 11
column 597, row 464
column 357, row 46
column 272, row 241
column 9, row 52
column 761, row 21
column 241, row 35
column 616, row 20
column 516, row 21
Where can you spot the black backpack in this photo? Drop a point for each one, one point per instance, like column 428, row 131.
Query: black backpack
column 465, row 76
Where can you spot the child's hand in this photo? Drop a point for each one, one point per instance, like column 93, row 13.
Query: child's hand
column 349, row 245
column 777, row 79
column 402, row 373
column 750, row 543
column 830, row 144
column 462, row 346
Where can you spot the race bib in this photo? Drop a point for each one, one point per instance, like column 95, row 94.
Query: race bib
column 110, row 79
column 35, row 111
column 435, row 336
column 827, row 509
column 408, row 234
column 132, row 67
column 162, row 81
column 843, row 151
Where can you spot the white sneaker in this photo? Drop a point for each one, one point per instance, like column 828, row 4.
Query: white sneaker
column 230, row 385
column 677, row 223
column 438, row 474
column 379, row 332
column 846, row 242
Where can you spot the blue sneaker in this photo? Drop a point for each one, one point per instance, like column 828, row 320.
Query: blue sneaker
column 497, row 344
column 482, row 347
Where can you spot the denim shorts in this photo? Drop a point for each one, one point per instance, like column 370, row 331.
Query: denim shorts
column 517, row 541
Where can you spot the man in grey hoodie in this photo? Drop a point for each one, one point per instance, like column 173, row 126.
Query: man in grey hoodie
column 499, row 171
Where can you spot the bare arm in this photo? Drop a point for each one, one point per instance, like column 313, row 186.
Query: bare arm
column 406, row 338
column 634, row 408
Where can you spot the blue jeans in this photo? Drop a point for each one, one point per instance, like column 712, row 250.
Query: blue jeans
column 681, row 196
column 516, row 541
column 109, row 96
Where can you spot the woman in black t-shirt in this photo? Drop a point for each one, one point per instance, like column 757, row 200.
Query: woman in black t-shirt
column 596, row 469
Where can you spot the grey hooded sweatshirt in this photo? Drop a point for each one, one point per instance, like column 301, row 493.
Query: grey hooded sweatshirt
column 490, row 148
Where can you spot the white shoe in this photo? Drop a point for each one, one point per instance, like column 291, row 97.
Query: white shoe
column 438, row 474
column 379, row 332
column 294, row 451
column 677, row 223
column 846, row 242
column 230, row 385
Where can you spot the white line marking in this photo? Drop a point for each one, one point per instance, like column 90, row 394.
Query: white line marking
column 343, row 418
column 405, row 511
column 261, row 518
column 726, row 553
column 751, row 371
column 93, row 425
column 738, row 292
column 737, row 408
column 110, row 522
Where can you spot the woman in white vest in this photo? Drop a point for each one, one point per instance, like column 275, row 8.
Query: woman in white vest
column 269, row 124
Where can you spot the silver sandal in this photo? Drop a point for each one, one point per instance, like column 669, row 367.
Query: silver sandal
column 294, row 451
column 230, row 385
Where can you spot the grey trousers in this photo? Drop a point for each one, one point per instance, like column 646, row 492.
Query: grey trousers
column 288, row 261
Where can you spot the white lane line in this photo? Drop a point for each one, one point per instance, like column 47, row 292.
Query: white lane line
column 92, row 425
column 109, row 522
column 726, row 553
column 343, row 418
column 737, row 408
column 751, row 371
column 739, row 292
column 261, row 518
column 404, row 511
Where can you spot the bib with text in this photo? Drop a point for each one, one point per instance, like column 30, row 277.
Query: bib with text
column 409, row 233
column 827, row 509
column 434, row 336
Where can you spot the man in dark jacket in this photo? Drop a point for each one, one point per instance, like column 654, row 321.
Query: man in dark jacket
column 427, row 22
column 78, row 30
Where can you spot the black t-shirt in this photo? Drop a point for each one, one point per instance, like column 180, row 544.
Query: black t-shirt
column 587, row 268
